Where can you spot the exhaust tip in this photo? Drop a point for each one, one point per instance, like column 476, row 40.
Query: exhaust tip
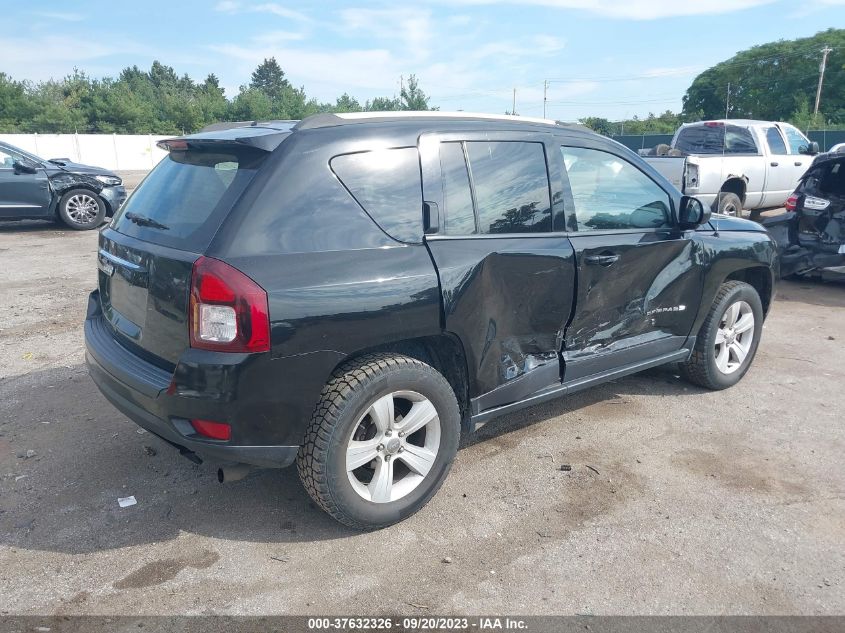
column 235, row 472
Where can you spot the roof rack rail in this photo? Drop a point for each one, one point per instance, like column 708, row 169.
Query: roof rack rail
column 330, row 120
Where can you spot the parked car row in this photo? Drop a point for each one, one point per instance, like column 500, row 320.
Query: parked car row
column 31, row 187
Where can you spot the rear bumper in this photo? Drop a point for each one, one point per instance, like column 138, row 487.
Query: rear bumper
column 139, row 390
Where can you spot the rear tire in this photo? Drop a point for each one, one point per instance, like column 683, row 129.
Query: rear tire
column 730, row 204
column 82, row 209
column 728, row 339
column 381, row 441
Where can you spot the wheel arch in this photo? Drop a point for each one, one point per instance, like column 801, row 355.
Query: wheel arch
column 759, row 278
column 60, row 193
column 443, row 352
column 734, row 184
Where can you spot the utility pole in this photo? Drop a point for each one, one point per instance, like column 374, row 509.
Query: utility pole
column 827, row 50
column 513, row 107
column 728, row 101
column 545, row 95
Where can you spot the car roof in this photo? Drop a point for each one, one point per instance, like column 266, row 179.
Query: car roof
column 738, row 122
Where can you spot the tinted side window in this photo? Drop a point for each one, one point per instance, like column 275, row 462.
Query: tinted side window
column 716, row 138
column 457, row 198
column 796, row 140
column 511, row 186
column 775, row 141
column 610, row 193
column 387, row 184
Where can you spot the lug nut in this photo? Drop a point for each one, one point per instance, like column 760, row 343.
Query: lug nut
column 401, row 433
column 387, row 458
column 380, row 447
column 401, row 448
column 388, row 432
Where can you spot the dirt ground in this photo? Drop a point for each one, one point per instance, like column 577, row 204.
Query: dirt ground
column 679, row 501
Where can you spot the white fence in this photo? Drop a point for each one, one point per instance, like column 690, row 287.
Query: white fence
column 111, row 151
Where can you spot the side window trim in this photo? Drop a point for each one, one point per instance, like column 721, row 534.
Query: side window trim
column 569, row 196
column 468, row 166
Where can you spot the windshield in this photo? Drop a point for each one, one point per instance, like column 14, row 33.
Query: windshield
column 187, row 196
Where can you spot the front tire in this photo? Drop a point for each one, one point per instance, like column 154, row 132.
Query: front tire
column 381, row 441
column 728, row 339
column 82, row 209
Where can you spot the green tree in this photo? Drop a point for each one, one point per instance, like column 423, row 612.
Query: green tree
column 412, row 96
column 771, row 81
column 598, row 124
column 269, row 78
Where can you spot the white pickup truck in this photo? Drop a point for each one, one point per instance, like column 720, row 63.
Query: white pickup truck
column 735, row 164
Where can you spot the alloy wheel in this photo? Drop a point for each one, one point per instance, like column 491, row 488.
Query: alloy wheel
column 393, row 446
column 734, row 337
column 82, row 208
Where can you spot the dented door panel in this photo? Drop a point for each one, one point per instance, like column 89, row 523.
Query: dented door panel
column 508, row 299
column 646, row 299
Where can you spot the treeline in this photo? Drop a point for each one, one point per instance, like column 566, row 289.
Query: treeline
column 159, row 101
column 773, row 82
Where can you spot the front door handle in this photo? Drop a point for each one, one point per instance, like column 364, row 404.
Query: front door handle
column 602, row 260
column 798, row 164
column 773, row 164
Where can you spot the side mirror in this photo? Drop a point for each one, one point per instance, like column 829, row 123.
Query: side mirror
column 24, row 166
column 692, row 213
column 811, row 150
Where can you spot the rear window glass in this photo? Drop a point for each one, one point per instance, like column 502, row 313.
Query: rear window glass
column 511, row 186
column 183, row 201
column 387, row 184
column 830, row 180
column 457, row 197
column 711, row 139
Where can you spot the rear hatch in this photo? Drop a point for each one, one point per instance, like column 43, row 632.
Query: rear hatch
column 146, row 255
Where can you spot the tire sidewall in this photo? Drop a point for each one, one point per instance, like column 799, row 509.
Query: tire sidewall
column 730, row 199
column 439, row 393
column 101, row 214
column 745, row 293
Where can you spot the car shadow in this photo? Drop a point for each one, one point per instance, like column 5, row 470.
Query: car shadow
column 39, row 226
column 806, row 290
column 67, row 456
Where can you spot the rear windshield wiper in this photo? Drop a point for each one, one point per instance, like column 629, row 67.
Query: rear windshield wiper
column 142, row 220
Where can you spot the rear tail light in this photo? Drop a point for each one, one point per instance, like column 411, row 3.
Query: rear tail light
column 228, row 310
column 212, row 430
column 791, row 202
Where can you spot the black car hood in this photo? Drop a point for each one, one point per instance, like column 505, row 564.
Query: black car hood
column 78, row 168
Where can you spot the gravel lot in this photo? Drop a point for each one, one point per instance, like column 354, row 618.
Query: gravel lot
column 679, row 501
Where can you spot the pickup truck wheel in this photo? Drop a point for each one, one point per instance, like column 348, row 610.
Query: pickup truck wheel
column 381, row 441
column 730, row 204
column 82, row 209
column 728, row 339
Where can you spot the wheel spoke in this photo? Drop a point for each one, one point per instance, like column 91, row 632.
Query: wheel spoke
column 421, row 414
column 382, row 412
column 722, row 357
column 739, row 352
column 745, row 323
column 382, row 483
column 360, row 453
column 418, row 459
column 731, row 315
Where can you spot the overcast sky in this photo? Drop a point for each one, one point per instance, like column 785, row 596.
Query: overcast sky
column 612, row 58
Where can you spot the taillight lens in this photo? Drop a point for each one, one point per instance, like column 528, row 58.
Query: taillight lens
column 791, row 202
column 228, row 310
column 212, row 430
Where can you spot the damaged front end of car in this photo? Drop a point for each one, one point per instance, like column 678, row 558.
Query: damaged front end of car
column 811, row 234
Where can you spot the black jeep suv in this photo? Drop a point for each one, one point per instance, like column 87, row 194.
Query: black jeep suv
column 348, row 291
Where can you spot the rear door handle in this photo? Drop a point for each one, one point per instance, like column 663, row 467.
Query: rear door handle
column 798, row 164
column 602, row 260
column 773, row 164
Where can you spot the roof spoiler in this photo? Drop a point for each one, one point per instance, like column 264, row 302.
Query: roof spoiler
column 263, row 136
